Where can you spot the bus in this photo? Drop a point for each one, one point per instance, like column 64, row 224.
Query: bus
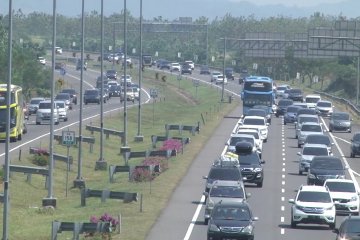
column 258, row 92
column 17, row 115
column 147, row 60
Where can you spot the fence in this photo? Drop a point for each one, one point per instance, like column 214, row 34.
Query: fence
column 78, row 228
column 344, row 101
column 29, row 171
column 105, row 194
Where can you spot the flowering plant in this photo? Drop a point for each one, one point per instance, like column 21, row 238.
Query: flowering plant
column 171, row 144
column 113, row 223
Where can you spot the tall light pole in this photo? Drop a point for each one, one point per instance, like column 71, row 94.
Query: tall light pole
column 79, row 181
column 139, row 137
column 223, row 84
column 125, row 148
column 101, row 164
column 6, row 206
column 50, row 200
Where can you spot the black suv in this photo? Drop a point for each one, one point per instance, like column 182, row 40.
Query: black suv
column 324, row 167
column 186, row 68
column 92, row 96
column 282, row 106
column 295, row 94
column 250, row 164
column 111, row 74
column 229, row 74
column 355, row 145
column 231, row 220
column 222, row 172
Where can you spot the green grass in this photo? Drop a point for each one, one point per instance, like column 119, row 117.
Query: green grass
column 174, row 106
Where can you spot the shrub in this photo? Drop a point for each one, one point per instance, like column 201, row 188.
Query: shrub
column 141, row 175
column 162, row 162
column 40, row 159
column 172, row 144
column 113, row 224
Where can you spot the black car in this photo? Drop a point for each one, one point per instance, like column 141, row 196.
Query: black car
column 250, row 164
column 111, row 74
column 349, row 229
column 340, row 121
column 72, row 93
column 80, row 64
column 164, row 65
column 229, row 74
column 204, row 70
column 222, row 172
column 115, row 91
column 92, row 96
column 324, row 167
column 282, row 106
column 295, row 94
column 186, row 68
column 355, row 145
column 228, row 220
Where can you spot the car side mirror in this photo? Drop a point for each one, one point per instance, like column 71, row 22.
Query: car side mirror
column 205, row 177
column 298, row 153
column 248, row 195
column 206, row 194
column 255, row 219
column 267, row 124
column 291, row 200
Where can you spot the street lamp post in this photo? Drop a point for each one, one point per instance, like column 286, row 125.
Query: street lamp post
column 223, row 83
column 139, row 137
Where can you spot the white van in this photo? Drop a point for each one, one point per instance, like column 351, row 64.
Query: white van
column 311, row 100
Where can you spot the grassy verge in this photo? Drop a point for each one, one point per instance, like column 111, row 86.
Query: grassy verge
column 175, row 105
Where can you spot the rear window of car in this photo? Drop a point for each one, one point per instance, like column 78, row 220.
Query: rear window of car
column 229, row 174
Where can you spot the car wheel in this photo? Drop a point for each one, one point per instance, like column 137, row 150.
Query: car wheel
column 260, row 184
column 57, row 123
column 332, row 225
column 19, row 137
column 65, row 119
column 352, row 154
column 206, row 221
column 37, row 123
column 299, row 145
column 284, row 123
column 330, row 129
column 349, row 130
column 293, row 224
column 300, row 172
column 277, row 115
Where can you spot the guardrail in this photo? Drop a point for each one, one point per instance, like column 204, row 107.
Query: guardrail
column 78, row 228
column 29, row 171
column 180, row 128
column 1, row 197
column 56, row 156
column 105, row 194
column 149, row 153
column 106, row 131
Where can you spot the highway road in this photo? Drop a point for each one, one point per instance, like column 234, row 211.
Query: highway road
column 183, row 217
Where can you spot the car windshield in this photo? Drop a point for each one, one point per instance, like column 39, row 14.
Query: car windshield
column 235, row 140
column 248, row 159
column 326, row 164
column 92, row 92
column 312, row 99
column 324, row 104
column 62, row 96
column 292, row 109
column 295, row 91
column 311, row 128
column 231, row 213
column 71, row 91
column 285, row 103
column 227, row 192
column 308, row 119
column 257, row 112
column 315, row 151
column 318, row 139
column 35, row 101
column 232, row 174
column 341, row 187
column 45, row 105
column 281, row 88
column 305, row 196
column 352, row 226
column 60, row 104
column 340, row 116
column 253, row 121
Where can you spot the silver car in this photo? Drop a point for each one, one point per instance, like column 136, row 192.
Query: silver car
column 303, row 118
column 34, row 104
column 223, row 191
column 308, row 152
column 62, row 110
column 308, row 128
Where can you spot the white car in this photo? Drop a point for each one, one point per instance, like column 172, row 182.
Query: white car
column 314, row 205
column 256, row 122
column 255, row 133
column 344, row 194
column 62, row 110
column 128, row 78
column 311, row 100
column 43, row 114
column 191, row 64
column 303, row 118
column 58, row 50
column 214, row 76
column 309, row 151
column 175, row 67
column 324, row 108
column 42, row 60
column 220, row 79
column 280, row 90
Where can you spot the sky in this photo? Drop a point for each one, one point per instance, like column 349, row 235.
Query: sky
column 172, row 9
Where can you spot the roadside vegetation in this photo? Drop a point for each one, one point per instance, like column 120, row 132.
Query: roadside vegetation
column 175, row 105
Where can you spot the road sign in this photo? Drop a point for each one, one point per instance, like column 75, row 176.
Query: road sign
column 68, row 138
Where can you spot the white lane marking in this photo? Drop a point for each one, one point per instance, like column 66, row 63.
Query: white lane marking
column 282, row 231
column 282, row 190
column 282, row 182
column 283, row 176
column 282, row 199
column 343, row 157
column 283, row 169
column 193, row 221
column 282, row 208
column 344, row 140
column 282, row 219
